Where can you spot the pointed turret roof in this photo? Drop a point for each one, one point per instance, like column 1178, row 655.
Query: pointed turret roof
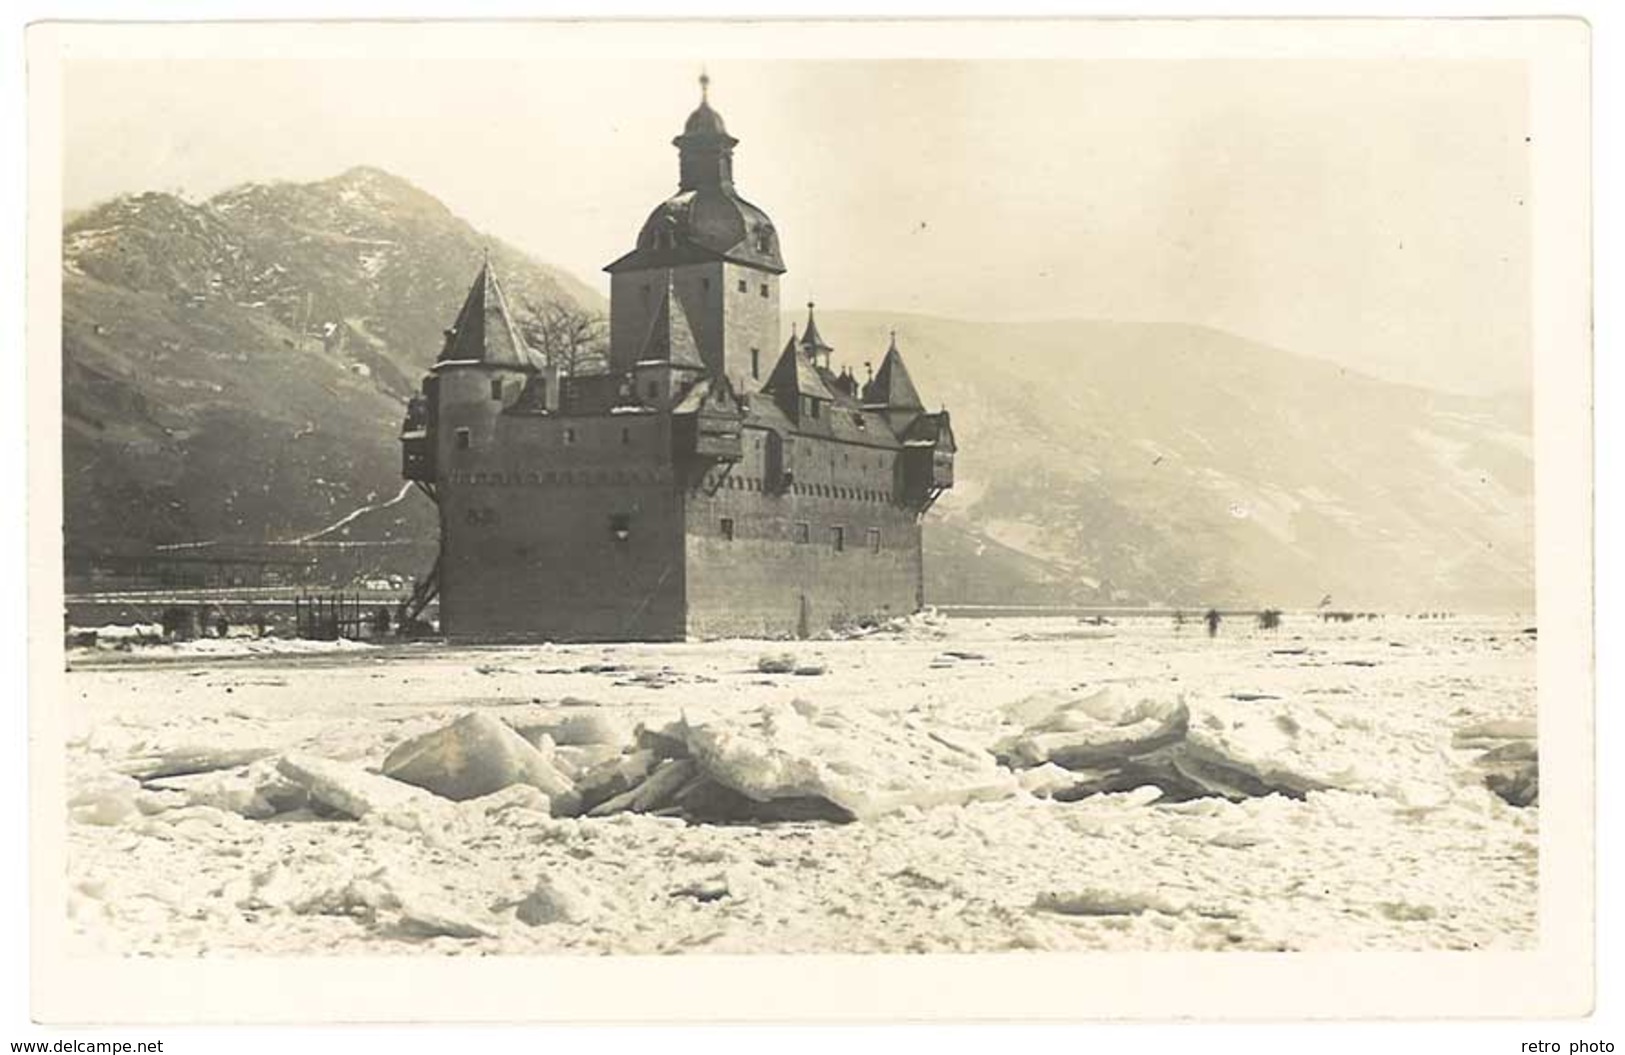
column 795, row 375
column 671, row 338
column 812, row 341
column 892, row 387
column 484, row 331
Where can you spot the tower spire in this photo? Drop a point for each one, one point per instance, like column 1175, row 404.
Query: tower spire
column 812, row 342
column 705, row 147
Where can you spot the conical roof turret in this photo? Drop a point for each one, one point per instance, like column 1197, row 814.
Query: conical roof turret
column 484, row 331
column 812, row 342
column 892, row 387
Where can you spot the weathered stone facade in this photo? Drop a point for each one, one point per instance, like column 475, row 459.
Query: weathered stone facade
column 710, row 483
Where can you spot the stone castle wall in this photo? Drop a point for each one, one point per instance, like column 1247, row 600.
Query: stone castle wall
column 783, row 572
column 531, row 525
column 534, row 509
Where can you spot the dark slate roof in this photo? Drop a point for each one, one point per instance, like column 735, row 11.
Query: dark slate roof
column 708, row 223
column 862, row 427
column 892, row 387
column 484, row 331
column 931, row 430
column 795, row 375
column 705, row 122
column 843, row 386
column 671, row 338
column 713, row 395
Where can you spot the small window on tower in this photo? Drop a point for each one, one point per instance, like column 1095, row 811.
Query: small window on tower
column 569, row 437
column 837, row 538
column 764, row 289
column 744, row 286
column 626, row 437
column 620, row 526
column 705, row 284
column 756, row 363
column 803, row 531
column 874, row 540
column 728, row 529
column 653, row 388
column 496, row 388
column 462, row 439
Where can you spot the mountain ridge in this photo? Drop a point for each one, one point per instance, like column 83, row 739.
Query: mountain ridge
column 236, row 368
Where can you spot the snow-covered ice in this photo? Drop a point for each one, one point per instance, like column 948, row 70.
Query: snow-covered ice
column 1319, row 787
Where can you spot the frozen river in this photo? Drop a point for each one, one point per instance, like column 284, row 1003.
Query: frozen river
column 1405, row 848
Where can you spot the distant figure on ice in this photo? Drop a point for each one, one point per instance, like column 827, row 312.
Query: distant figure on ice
column 1212, row 618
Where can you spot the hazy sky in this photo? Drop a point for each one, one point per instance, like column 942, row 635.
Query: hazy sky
column 1373, row 213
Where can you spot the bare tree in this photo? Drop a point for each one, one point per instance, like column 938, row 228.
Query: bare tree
column 569, row 337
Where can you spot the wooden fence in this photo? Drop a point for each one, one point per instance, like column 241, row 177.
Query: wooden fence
column 332, row 616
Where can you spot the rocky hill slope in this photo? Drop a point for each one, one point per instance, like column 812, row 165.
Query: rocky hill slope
column 1106, row 461
column 237, row 369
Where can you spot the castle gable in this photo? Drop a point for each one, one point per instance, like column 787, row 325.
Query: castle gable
column 795, row 377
